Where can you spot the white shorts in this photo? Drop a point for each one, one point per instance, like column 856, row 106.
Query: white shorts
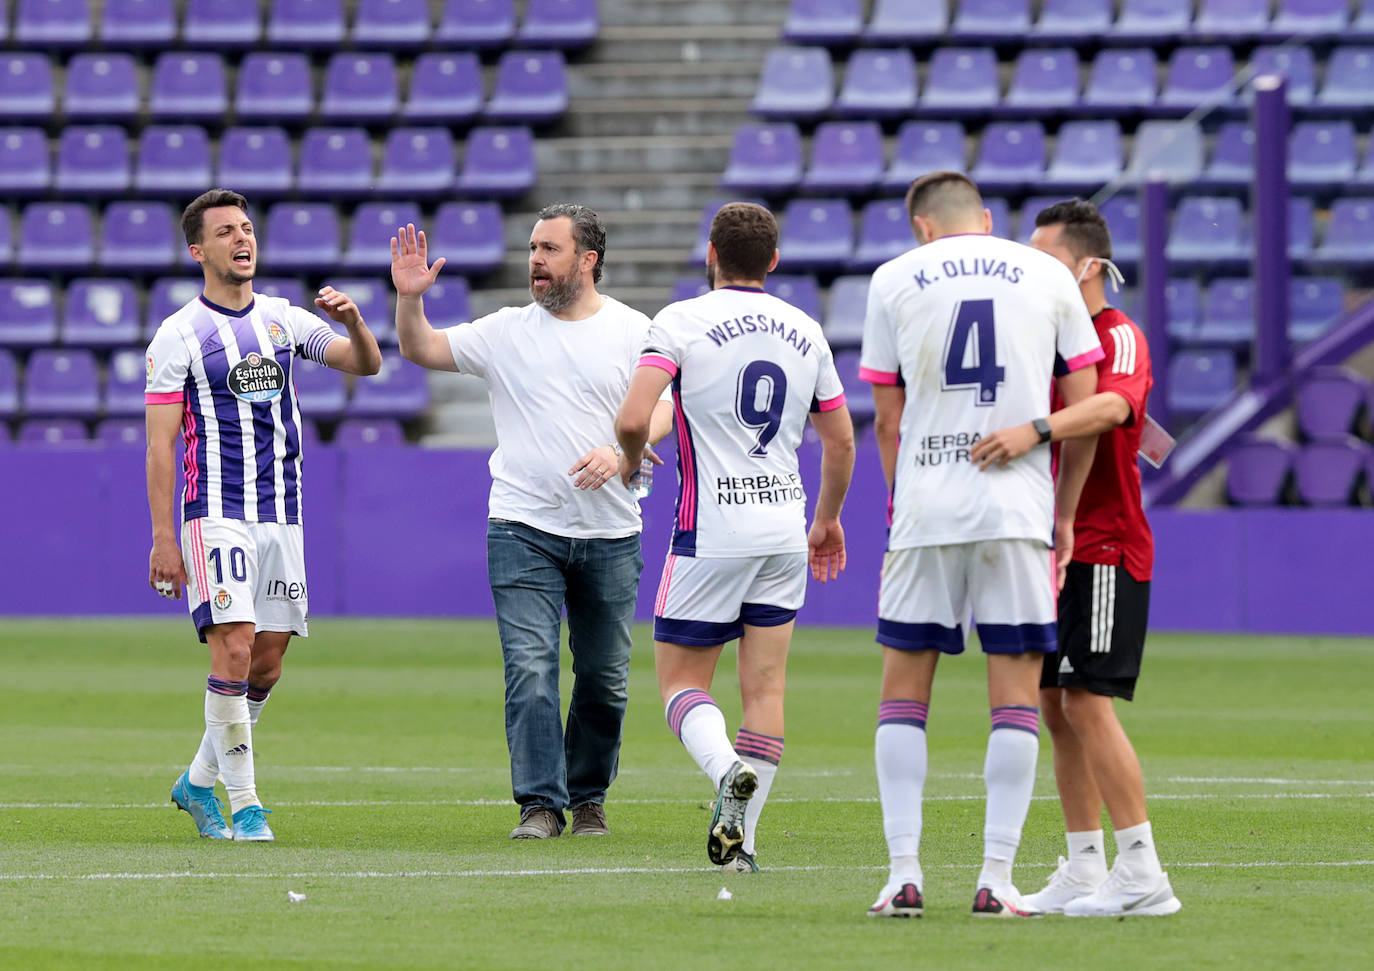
column 1007, row 585
column 706, row 601
column 245, row 572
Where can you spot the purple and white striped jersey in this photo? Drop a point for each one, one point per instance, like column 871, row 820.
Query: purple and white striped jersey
column 241, row 425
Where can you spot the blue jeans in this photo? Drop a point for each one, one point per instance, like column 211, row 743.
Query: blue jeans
column 533, row 575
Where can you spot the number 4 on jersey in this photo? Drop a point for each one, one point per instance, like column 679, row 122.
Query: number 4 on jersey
column 971, row 352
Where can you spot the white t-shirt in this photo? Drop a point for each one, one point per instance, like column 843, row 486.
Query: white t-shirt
column 976, row 327
column 747, row 368
column 555, row 387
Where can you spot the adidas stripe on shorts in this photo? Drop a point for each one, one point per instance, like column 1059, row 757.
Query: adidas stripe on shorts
column 1103, row 612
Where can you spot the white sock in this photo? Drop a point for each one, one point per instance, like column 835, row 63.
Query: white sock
column 255, row 705
column 899, row 751
column 226, row 719
column 695, row 718
column 1135, row 847
column 762, row 753
column 1087, row 856
column 1009, row 774
column 205, row 766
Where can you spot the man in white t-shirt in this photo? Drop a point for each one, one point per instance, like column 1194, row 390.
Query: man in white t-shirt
column 746, row 371
column 563, row 530
column 964, row 336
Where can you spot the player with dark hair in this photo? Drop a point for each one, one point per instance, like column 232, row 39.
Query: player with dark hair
column 1103, row 602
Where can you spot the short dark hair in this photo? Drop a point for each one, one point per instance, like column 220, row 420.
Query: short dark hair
column 1085, row 232
column 193, row 217
column 588, row 233
column 942, row 190
column 745, row 236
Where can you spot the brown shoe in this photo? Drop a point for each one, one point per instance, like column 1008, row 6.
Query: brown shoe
column 536, row 823
column 589, row 819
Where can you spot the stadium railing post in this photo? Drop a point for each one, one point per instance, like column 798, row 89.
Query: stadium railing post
column 1269, row 203
column 1154, row 277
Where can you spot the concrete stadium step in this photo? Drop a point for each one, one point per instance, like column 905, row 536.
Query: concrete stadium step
column 591, row 83
column 628, row 13
column 595, row 118
column 633, row 153
column 691, row 43
column 629, row 190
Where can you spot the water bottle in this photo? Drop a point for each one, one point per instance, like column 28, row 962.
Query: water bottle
column 642, row 482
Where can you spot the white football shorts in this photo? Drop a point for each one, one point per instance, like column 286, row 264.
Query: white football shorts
column 245, row 572
column 928, row 593
column 706, row 601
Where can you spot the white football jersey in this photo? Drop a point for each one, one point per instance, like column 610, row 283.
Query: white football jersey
column 747, row 370
column 976, row 328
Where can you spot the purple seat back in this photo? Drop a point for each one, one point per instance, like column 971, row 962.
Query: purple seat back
column 802, row 292
column 139, row 236
column 1314, row 304
column 1087, row 153
column 1349, row 78
column 1153, row 19
column 816, row 235
column 962, row 79
column 417, row 161
column 173, row 160
column 360, row 87
column 1329, row 402
column 531, row 87
column 446, row 302
column 366, row 432
column 1072, row 19
column 306, row 23
column 369, row 239
column 6, row 237
column 222, row 23
column 57, row 236
column 878, row 83
column 101, row 87
column 1173, row 149
column 167, row 295
column 189, row 87
column 884, row 233
column 59, row 384
column 274, row 87
column 1257, row 472
column 374, row 298
column 1231, row 18
column 1183, row 303
column 1199, row 75
column 559, row 23
column 1121, row 79
column 1327, row 473
column 391, row 24
column 844, row 318
column 764, row 158
column 138, row 23
column 823, row 21
column 1044, row 78
column 1319, row 18
column 9, row 391
column 1229, row 312
column 56, row 432
column 335, row 160
column 1122, row 214
column 499, row 162
column 1010, row 153
column 400, row 390
column 476, row 23
column 1350, row 230
column 470, row 236
column 26, row 86
column 687, row 287
column 125, row 379
column 1207, row 228
column 1294, row 63
column 93, row 158
column 795, row 82
column 991, row 20
column 846, row 157
column 256, row 161
column 445, row 87
column 924, row 146
column 53, row 23
column 24, row 161
column 1233, row 154
column 321, row 391
column 100, row 313
column 907, row 21
column 287, row 288
column 1322, row 153
column 301, row 236
column 121, row 432
column 1199, row 380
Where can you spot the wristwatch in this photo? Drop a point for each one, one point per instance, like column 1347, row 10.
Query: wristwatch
column 615, row 447
column 1042, row 428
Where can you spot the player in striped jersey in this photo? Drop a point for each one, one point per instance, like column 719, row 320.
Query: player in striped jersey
column 220, row 375
column 1104, row 602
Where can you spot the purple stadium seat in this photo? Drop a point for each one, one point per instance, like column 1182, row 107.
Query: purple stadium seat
column 687, row 287
column 374, row 299
column 961, row 80
column 137, row 24
column 28, row 313
column 878, row 84
column 1228, row 317
column 1200, row 380
column 1121, row 81
column 124, row 382
column 1294, row 63
column 1010, row 155
column 1328, row 403
column 1349, row 232
column 1031, row 208
column 859, row 393
column 1044, row 79
column 765, row 158
column 1150, row 21
column 139, row 236
column 991, row 20
column 1310, row 18
column 531, row 88
column 476, row 23
column 816, row 234
column 1257, row 472
column 100, row 313
column 306, row 23
column 846, row 158
column 401, row 390
column 470, row 236
column 173, row 160
column 167, row 295
column 122, row 432
column 358, row 432
column 288, row 288
column 1314, row 304
column 417, row 162
column 445, row 88
column 93, row 159
column 1183, row 304
column 360, row 87
column 391, row 24
column 56, row 432
column 9, row 391
column 1000, row 211
column 1349, row 81
column 335, row 161
column 795, row 82
column 301, row 236
column 925, row 147
column 189, row 87
column 1321, row 154
column 559, row 23
column 1122, row 214
column 1172, row 149
column 1207, row 229
column 1233, row 156
column 708, row 213
column 1362, row 28
column 56, row 236
column 1198, row 76
column 24, row 161
column 101, row 87
column 1087, row 155
column 906, row 22
column 831, row 22
column 446, row 302
column 884, row 233
column 26, row 87
column 499, row 162
column 321, row 391
column 222, row 24
column 1301, row 227
column 848, row 305
column 1327, row 473
column 369, row 239
column 52, row 23
column 61, row 384
column 6, row 238
column 1071, row 20
column 801, row 292
column 255, row 161
column 274, row 87
column 1231, row 20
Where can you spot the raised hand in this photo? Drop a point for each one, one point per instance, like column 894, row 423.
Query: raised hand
column 411, row 273
column 339, row 306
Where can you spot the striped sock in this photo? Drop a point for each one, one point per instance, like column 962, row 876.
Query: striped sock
column 899, row 750
column 762, row 753
column 204, row 768
column 1009, row 774
column 226, row 721
column 698, row 723
column 257, row 697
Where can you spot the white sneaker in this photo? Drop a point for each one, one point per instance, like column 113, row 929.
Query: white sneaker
column 1124, row 894
column 1002, row 901
column 1062, row 887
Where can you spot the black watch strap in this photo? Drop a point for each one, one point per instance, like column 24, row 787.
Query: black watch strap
column 1042, row 428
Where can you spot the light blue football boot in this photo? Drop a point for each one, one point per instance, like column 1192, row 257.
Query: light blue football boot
column 250, row 825
column 203, row 806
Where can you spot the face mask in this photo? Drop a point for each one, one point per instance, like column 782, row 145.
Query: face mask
column 1112, row 272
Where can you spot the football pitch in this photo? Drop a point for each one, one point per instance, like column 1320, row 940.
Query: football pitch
column 382, row 755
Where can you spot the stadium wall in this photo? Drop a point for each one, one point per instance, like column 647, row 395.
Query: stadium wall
column 400, row 532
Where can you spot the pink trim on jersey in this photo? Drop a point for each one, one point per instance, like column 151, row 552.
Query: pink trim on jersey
column 832, row 404
column 164, row 397
column 686, row 519
column 198, row 558
column 659, row 361
column 877, row 377
column 661, row 603
column 192, row 441
column 1083, row 360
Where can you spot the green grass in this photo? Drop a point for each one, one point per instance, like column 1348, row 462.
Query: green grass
column 383, row 756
